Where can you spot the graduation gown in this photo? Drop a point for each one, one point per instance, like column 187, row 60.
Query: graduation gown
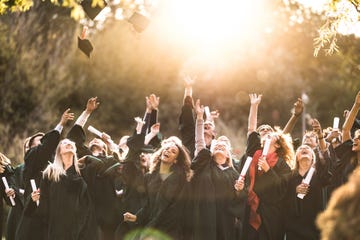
column 66, row 208
column 164, row 208
column 14, row 216
column 187, row 125
column 36, row 160
column 270, row 187
column 300, row 214
column 101, row 184
column 216, row 206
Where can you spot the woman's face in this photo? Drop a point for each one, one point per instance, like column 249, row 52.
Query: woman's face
column 356, row 144
column 170, row 153
column 220, row 149
column 304, row 156
column 67, row 146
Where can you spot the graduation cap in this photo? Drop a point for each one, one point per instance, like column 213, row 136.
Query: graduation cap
column 90, row 10
column 84, row 44
column 139, row 21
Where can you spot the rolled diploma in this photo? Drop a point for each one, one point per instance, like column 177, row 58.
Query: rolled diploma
column 207, row 113
column 33, row 186
column 336, row 123
column 245, row 168
column 6, row 188
column 99, row 134
column 265, row 149
column 307, row 180
column 95, row 131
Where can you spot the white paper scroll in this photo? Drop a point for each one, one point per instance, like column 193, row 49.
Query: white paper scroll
column 245, row 168
column 265, row 149
column 207, row 113
column 114, row 147
column 307, row 181
column 34, row 188
column 6, row 188
column 336, row 123
column 95, row 131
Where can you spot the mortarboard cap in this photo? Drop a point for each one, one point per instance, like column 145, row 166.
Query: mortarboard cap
column 92, row 11
column 139, row 21
column 84, row 44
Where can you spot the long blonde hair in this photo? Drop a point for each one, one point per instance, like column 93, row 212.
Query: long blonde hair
column 56, row 169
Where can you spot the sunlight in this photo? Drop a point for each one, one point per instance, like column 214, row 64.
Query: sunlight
column 211, row 24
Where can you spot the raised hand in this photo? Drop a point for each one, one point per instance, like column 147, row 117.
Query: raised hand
column 317, row 128
column 199, row 109
column 155, row 129
column 66, row 116
column 298, row 107
column 154, row 101
column 189, row 81
column 128, row 217
column 92, row 104
column 255, row 99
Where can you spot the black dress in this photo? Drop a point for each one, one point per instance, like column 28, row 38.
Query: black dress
column 300, row 214
column 101, row 184
column 36, row 159
column 164, row 208
column 217, row 211
column 67, row 209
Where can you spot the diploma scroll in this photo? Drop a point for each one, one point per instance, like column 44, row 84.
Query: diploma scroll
column 265, row 149
column 34, row 188
column 245, row 168
column 6, row 188
column 336, row 123
column 307, row 181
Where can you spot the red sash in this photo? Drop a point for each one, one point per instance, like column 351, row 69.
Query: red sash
column 253, row 199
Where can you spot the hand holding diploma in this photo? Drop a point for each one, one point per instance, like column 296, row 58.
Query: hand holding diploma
column 305, row 184
column 35, row 195
column 9, row 191
column 262, row 160
column 245, row 168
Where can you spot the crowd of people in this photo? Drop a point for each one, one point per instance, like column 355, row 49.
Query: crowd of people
column 186, row 186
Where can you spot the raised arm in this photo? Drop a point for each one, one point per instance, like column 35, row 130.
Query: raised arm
column 298, row 109
column 199, row 128
column 254, row 103
column 349, row 121
column 91, row 105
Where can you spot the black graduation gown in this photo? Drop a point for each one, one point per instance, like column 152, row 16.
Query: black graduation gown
column 13, row 219
column 300, row 214
column 216, row 207
column 164, row 208
column 271, row 188
column 134, row 195
column 101, row 184
column 346, row 163
column 67, row 209
column 187, row 125
column 36, row 159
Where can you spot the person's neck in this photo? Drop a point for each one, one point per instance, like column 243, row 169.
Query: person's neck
column 165, row 168
column 67, row 160
column 303, row 169
column 219, row 159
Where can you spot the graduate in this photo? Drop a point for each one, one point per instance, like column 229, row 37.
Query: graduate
column 217, row 204
column 41, row 150
column 102, row 184
column 267, row 179
column 65, row 205
column 165, row 185
column 300, row 213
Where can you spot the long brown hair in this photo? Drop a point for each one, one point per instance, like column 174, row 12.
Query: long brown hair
column 286, row 149
column 183, row 158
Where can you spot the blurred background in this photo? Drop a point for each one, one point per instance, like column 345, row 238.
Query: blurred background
column 233, row 48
